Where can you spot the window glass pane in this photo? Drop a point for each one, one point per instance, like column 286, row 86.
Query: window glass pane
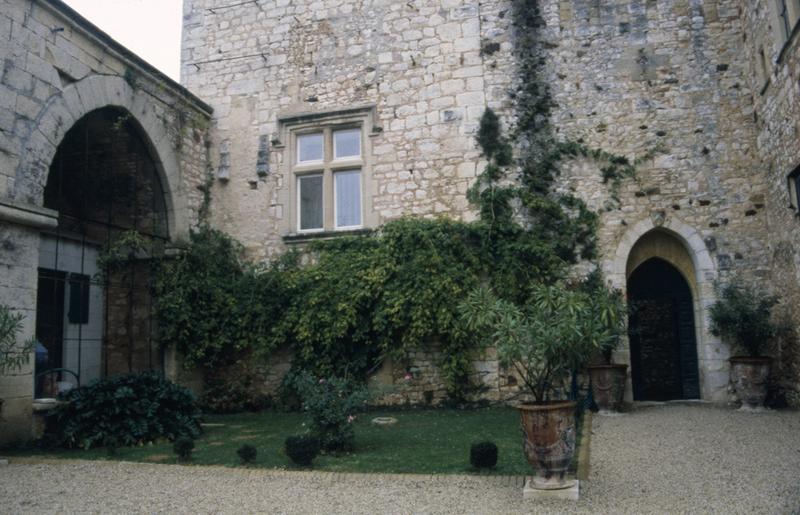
column 310, row 147
column 348, row 198
column 310, row 202
column 347, row 143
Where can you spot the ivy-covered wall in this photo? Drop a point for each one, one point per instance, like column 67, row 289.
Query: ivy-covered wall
column 645, row 108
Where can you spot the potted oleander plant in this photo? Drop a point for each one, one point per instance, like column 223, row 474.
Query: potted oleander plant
column 742, row 317
column 607, row 378
column 543, row 340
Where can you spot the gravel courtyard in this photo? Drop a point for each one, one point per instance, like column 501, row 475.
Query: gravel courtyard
column 664, row 459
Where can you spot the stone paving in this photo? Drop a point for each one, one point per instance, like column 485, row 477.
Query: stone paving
column 663, row 459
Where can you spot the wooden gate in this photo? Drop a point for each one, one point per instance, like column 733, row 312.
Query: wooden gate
column 662, row 335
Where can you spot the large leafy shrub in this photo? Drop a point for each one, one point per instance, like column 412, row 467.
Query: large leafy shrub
column 128, row 409
column 555, row 332
column 742, row 315
column 332, row 404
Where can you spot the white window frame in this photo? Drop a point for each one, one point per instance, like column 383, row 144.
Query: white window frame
column 360, row 225
column 785, row 15
column 327, row 122
column 298, row 178
column 297, row 149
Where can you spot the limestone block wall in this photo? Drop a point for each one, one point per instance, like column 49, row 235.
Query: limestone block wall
column 665, row 79
column 418, row 63
column 18, row 276
column 777, row 110
column 57, row 67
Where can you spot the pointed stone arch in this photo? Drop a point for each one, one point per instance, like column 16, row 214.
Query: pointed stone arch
column 62, row 110
column 712, row 355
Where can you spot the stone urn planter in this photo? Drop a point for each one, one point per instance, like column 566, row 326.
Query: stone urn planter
column 608, row 386
column 549, row 442
column 750, row 378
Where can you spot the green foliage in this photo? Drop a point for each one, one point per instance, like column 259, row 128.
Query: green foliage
column 232, row 394
column 302, row 449
column 361, row 299
column 483, row 455
column 247, row 454
column 122, row 251
column 742, row 315
column 128, row 410
column 12, row 355
column 332, row 404
column 556, row 331
column 183, row 447
column 211, row 304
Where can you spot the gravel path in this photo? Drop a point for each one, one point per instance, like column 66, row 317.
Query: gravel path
column 670, row 459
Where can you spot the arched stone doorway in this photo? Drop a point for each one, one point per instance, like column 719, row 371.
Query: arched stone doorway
column 663, row 344
column 94, row 306
column 684, row 247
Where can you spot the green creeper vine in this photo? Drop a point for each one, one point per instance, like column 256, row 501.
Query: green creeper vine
column 396, row 290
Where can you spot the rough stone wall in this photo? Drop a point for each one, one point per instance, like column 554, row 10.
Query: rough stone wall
column 419, row 63
column 664, row 82
column 777, row 111
column 19, row 249
column 56, row 68
column 637, row 78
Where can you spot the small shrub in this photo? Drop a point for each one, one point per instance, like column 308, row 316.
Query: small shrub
column 129, row 410
column 247, row 454
column 302, row 449
column 332, row 404
column 483, row 455
column 183, row 447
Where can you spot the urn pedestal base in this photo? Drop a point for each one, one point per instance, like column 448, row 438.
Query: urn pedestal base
column 568, row 493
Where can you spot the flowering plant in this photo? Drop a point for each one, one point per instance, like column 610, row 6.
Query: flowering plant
column 332, row 404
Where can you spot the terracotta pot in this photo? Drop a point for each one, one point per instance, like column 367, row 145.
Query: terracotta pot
column 549, row 441
column 608, row 386
column 750, row 378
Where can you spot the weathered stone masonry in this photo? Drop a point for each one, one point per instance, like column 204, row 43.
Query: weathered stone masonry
column 678, row 82
column 670, row 80
column 57, row 68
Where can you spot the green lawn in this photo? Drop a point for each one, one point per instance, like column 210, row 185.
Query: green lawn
column 422, row 441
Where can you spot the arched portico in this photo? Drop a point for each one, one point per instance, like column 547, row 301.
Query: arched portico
column 64, row 109
column 700, row 272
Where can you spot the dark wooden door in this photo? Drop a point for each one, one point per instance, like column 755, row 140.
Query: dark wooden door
column 662, row 336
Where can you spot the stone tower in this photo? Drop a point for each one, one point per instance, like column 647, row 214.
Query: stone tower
column 336, row 115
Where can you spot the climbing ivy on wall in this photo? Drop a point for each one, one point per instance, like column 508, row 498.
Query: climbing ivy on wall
column 360, row 299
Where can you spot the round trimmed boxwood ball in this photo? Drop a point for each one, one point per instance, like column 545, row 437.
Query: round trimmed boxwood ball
column 183, row 447
column 302, row 449
column 247, row 453
column 483, row 455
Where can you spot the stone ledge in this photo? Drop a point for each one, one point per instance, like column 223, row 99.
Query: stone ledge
column 28, row 215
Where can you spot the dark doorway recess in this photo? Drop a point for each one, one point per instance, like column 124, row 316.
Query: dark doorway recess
column 95, row 320
column 662, row 335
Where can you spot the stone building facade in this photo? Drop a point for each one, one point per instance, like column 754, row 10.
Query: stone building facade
column 671, row 83
column 82, row 118
column 335, row 116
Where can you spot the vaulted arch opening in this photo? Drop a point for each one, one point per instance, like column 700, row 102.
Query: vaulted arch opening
column 94, row 305
column 663, row 342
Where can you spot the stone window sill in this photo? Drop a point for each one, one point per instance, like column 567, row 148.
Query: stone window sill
column 297, row 238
